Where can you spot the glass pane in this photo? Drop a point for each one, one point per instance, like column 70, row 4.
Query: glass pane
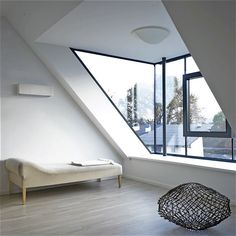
column 130, row 86
column 217, row 148
column 234, row 143
column 205, row 114
column 148, row 137
column 191, row 65
column 174, row 107
column 159, row 110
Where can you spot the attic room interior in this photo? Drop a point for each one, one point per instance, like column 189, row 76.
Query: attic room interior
column 118, row 117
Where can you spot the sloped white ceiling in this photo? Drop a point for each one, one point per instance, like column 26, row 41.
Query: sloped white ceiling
column 208, row 29
column 32, row 18
column 106, row 26
column 81, row 86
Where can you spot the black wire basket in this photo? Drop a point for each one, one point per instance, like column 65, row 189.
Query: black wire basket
column 194, row 206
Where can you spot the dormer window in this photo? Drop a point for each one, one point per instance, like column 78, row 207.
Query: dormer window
column 168, row 104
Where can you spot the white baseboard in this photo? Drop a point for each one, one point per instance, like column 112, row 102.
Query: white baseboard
column 159, row 184
column 148, row 181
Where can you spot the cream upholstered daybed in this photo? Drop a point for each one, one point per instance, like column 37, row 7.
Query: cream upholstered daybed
column 27, row 174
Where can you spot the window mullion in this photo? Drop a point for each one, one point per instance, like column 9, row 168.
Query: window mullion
column 185, row 137
column 155, row 112
column 232, row 148
column 164, row 103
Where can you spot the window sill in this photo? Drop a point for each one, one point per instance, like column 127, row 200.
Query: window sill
column 206, row 164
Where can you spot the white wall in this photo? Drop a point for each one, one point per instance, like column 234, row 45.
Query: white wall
column 42, row 129
column 61, row 62
column 170, row 175
column 74, row 77
column 208, row 29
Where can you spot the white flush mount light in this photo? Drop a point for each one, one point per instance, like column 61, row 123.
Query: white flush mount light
column 151, row 34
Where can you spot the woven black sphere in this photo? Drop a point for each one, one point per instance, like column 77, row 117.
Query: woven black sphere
column 194, row 206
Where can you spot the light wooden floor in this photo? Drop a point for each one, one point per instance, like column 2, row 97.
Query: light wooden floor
column 96, row 208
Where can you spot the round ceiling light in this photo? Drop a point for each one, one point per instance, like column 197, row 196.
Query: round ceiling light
column 151, row 34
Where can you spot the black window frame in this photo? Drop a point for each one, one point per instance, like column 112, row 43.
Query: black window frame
column 186, row 114
column 163, row 63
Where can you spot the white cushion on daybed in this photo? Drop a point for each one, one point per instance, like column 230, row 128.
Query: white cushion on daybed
column 35, row 175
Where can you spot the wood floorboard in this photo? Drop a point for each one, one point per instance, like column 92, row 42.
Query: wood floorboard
column 95, row 208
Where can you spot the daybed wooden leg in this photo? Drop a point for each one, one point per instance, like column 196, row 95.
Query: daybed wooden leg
column 99, row 180
column 23, row 195
column 119, row 181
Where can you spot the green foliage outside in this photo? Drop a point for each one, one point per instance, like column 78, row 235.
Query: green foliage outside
column 174, row 110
